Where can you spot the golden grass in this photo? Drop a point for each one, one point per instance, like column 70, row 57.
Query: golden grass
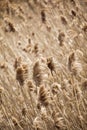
column 43, row 65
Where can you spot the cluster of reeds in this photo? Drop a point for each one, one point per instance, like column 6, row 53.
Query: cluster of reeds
column 44, row 90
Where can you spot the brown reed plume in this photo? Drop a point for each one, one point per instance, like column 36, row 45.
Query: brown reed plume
column 51, row 64
column 76, row 67
column 16, row 123
column 31, row 85
column 22, row 73
column 70, row 60
column 56, row 88
column 17, row 62
column 39, row 72
column 84, row 85
column 9, row 27
column 74, row 63
column 59, row 121
column 38, row 124
column 61, row 37
column 43, row 96
column 1, row 91
column 43, row 65
column 43, row 16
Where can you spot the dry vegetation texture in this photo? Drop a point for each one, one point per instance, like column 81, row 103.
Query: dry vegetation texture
column 43, row 65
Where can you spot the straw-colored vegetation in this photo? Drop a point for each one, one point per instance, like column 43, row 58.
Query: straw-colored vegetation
column 43, row 65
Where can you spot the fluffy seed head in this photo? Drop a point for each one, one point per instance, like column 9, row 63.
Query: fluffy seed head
column 55, row 88
column 71, row 59
column 37, row 124
column 24, row 111
column 64, row 21
column 76, row 67
column 15, row 121
column 43, row 96
column 84, row 85
column 22, row 74
column 61, row 38
column 43, row 16
column 51, row 64
column 30, row 85
column 39, row 73
column 59, row 121
column 17, row 62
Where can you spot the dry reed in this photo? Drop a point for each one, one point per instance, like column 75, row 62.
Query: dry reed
column 49, row 92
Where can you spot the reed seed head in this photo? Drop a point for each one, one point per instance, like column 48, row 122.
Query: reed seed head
column 31, row 85
column 55, row 88
column 17, row 62
column 43, row 96
column 22, row 74
column 15, row 121
column 51, row 64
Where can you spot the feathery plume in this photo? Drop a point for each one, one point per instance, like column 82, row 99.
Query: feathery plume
column 30, row 85
column 59, row 121
column 17, row 62
column 64, row 21
column 39, row 73
column 43, row 16
column 84, row 85
column 43, row 96
column 38, row 124
column 51, row 64
column 70, row 60
column 61, row 38
column 55, row 88
column 22, row 74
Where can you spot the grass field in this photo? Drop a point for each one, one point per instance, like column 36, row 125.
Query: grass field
column 43, row 65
